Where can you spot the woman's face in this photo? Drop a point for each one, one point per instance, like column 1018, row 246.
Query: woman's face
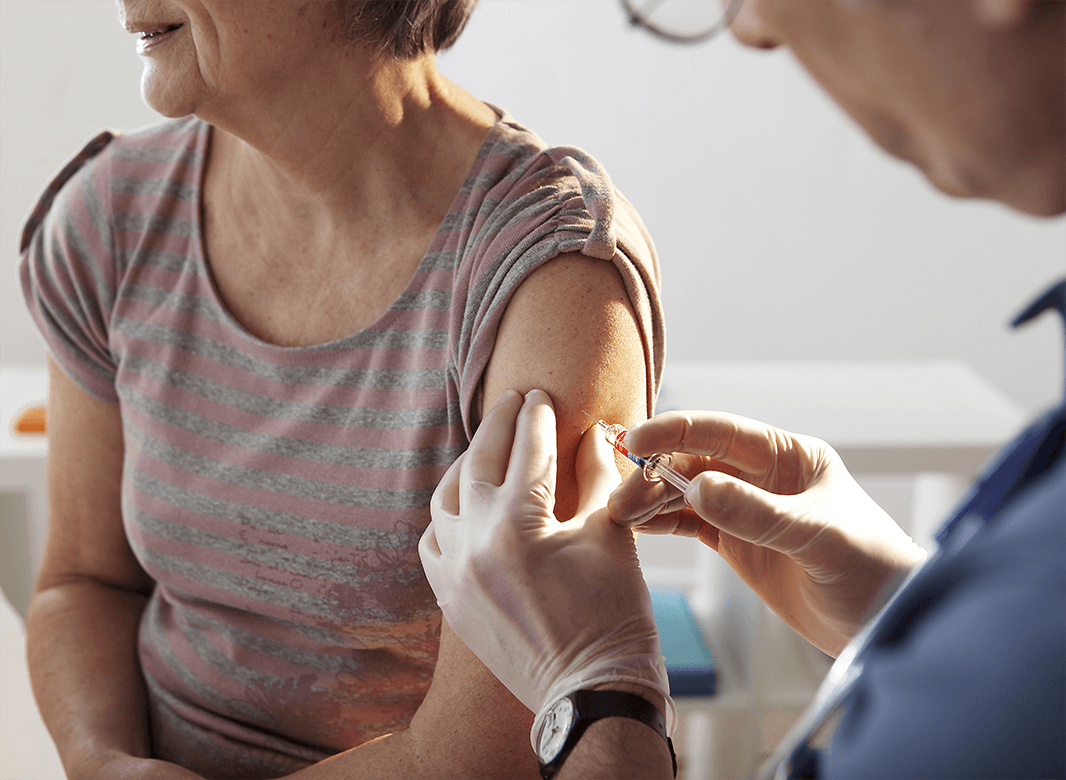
column 202, row 55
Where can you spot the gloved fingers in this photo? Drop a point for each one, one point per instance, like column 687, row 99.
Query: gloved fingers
column 658, row 509
column 490, row 450
column 439, row 574
column 618, row 543
column 597, row 473
column 675, row 520
column 654, row 521
column 429, row 548
column 531, row 469
column 446, row 495
column 444, row 535
column 636, row 500
column 681, row 522
column 750, row 447
column 749, row 513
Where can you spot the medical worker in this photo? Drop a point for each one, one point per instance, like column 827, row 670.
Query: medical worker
column 961, row 672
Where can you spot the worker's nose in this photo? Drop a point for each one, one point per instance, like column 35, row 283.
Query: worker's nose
column 751, row 29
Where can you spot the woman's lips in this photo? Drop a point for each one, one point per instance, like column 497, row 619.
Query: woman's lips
column 155, row 35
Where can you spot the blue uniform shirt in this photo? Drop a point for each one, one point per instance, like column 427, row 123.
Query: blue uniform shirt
column 963, row 674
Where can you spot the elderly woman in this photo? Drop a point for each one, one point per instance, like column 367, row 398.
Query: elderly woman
column 274, row 320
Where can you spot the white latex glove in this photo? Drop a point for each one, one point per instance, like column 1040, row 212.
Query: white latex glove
column 781, row 509
column 548, row 607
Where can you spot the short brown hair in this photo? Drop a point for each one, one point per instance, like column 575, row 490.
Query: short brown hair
column 404, row 29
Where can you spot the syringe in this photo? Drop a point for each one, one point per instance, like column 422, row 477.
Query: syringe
column 655, row 467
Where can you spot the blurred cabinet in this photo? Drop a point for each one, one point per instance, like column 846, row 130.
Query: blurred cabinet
column 23, row 498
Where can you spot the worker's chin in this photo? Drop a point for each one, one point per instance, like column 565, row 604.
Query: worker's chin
column 949, row 177
column 922, row 152
column 1039, row 194
column 952, row 187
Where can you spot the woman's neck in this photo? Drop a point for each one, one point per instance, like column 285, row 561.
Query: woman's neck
column 363, row 142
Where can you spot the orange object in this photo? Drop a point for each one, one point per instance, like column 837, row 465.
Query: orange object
column 32, row 419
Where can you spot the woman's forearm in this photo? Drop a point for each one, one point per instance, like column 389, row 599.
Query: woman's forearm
column 82, row 655
column 82, row 652
column 406, row 754
column 388, row 756
column 469, row 725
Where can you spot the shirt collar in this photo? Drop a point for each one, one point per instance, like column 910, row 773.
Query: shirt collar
column 1052, row 298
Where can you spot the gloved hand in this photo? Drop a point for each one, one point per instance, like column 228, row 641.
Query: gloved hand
column 548, row 607
column 781, row 509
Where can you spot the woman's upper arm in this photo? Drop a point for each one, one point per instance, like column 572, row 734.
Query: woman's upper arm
column 569, row 329
column 86, row 539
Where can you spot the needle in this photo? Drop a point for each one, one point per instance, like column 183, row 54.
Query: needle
column 655, row 467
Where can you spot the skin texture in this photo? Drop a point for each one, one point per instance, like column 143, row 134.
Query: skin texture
column 292, row 106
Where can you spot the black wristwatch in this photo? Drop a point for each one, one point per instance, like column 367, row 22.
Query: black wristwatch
column 568, row 718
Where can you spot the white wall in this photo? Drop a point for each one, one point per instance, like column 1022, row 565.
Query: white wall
column 783, row 232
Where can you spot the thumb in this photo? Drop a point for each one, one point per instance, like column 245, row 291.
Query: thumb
column 597, row 474
column 743, row 510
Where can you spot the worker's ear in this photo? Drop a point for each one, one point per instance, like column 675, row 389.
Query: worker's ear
column 1002, row 14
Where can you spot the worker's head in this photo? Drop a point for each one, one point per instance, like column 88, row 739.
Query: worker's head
column 973, row 92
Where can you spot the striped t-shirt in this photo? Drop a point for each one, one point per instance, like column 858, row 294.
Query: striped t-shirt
column 277, row 494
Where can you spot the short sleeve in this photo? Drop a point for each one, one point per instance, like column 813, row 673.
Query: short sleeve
column 68, row 272
column 560, row 201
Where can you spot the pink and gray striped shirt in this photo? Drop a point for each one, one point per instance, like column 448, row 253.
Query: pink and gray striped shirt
column 276, row 494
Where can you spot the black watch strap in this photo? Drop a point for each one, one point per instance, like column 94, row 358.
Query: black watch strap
column 592, row 706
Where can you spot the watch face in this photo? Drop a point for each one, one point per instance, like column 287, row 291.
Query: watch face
column 555, row 730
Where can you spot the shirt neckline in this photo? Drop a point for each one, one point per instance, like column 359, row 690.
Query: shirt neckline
column 203, row 142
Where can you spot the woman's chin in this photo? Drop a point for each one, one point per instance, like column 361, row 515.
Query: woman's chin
column 165, row 97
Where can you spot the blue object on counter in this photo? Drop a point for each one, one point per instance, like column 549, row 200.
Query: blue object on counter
column 689, row 662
